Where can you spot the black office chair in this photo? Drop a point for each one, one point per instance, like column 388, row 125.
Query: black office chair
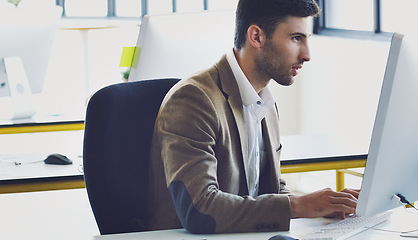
column 118, row 130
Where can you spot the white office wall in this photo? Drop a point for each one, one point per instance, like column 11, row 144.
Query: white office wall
column 68, row 86
column 337, row 94
column 337, row 91
column 288, row 99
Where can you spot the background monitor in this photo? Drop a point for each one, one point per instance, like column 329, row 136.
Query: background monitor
column 180, row 44
column 392, row 162
column 26, row 41
column 28, row 34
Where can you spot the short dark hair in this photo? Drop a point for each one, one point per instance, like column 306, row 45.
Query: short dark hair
column 267, row 14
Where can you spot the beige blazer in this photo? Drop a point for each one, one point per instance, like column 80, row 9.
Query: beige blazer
column 199, row 173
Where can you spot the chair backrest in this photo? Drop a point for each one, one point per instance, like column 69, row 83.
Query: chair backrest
column 118, row 131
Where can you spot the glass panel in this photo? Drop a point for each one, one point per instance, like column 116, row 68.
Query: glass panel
column 189, row 5
column 349, row 14
column 399, row 15
column 128, row 8
column 222, row 4
column 160, row 6
column 82, row 8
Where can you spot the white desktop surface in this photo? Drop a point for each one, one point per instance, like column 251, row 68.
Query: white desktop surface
column 48, row 215
column 181, row 234
column 301, row 226
column 30, row 166
column 66, row 214
column 400, row 221
column 30, row 149
column 41, row 118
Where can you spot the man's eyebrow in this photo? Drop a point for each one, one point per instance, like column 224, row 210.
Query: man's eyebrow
column 300, row 34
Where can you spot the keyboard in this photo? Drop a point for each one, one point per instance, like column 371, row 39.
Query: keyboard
column 347, row 227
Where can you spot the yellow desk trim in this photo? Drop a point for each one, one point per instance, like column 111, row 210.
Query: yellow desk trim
column 42, row 128
column 322, row 166
column 42, row 186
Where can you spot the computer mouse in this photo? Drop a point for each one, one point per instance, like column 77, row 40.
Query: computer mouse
column 57, row 159
column 281, row 237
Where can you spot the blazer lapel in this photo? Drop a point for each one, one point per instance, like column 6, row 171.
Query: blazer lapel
column 270, row 126
column 238, row 112
column 229, row 86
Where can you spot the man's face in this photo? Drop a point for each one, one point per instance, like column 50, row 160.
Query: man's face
column 284, row 53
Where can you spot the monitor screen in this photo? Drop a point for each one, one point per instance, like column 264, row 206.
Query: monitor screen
column 392, row 162
column 28, row 34
column 179, row 44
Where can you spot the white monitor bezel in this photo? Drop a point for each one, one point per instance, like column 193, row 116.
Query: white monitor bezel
column 392, row 162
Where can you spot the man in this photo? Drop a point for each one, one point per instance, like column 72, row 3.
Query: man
column 216, row 145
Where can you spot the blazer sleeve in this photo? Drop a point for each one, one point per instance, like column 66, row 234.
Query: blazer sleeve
column 189, row 133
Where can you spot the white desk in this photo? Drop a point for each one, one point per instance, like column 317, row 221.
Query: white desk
column 66, row 214
column 47, row 215
column 28, row 150
column 400, row 221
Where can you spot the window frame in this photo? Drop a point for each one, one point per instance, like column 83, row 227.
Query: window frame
column 320, row 27
column 111, row 9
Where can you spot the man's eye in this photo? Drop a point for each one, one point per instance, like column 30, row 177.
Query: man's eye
column 296, row 38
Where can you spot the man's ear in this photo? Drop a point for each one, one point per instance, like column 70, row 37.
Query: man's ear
column 256, row 36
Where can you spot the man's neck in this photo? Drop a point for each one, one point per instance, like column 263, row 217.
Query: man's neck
column 245, row 60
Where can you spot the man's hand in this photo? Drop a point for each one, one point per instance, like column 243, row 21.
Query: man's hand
column 324, row 203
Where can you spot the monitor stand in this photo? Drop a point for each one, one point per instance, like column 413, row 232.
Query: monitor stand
column 16, row 98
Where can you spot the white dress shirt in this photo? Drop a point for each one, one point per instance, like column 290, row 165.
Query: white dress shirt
column 255, row 108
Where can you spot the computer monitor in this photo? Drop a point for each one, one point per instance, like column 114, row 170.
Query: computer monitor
column 180, row 44
column 392, row 162
column 26, row 41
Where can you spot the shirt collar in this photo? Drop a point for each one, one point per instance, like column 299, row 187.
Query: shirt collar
column 248, row 94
